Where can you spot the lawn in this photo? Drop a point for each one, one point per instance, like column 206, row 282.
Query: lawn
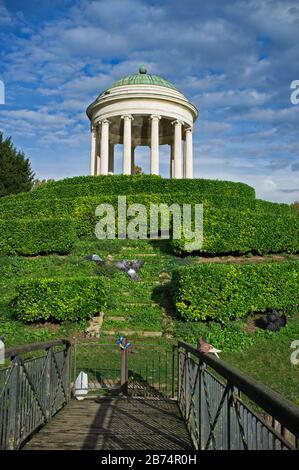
column 144, row 307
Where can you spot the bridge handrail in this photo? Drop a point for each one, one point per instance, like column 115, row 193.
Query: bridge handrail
column 31, row 347
column 278, row 407
column 32, row 389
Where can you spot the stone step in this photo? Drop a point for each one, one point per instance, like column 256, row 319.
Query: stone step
column 116, row 318
column 146, row 334
column 139, row 304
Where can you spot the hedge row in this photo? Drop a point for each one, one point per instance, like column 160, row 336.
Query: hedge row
column 122, row 184
column 258, row 229
column 59, row 299
column 36, row 236
column 244, row 231
column 65, row 207
column 82, row 209
column 222, row 292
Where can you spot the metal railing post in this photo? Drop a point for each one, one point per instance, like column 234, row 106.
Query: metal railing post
column 124, row 374
column 229, row 403
column 173, row 372
column 201, row 369
column 48, row 383
column 13, row 418
column 75, row 347
column 66, row 370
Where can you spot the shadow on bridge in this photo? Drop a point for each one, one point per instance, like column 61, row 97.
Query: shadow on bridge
column 115, row 423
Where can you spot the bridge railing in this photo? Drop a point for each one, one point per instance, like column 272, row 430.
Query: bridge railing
column 224, row 409
column 34, row 385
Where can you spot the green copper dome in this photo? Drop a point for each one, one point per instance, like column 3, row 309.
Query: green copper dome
column 143, row 78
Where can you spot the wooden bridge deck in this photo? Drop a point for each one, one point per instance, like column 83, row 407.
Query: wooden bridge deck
column 115, row 423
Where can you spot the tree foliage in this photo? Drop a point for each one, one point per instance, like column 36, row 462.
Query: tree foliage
column 296, row 206
column 16, row 174
column 137, row 170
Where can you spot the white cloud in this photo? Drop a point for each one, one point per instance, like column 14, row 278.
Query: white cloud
column 235, row 60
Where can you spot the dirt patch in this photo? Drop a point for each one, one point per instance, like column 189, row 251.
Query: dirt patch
column 243, row 259
column 251, row 326
column 49, row 326
column 43, row 256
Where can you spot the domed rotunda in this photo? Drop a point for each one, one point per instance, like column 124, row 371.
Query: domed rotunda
column 142, row 109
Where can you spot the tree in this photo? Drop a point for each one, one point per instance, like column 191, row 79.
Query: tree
column 137, row 170
column 38, row 183
column 16, row 174
column 296, row 206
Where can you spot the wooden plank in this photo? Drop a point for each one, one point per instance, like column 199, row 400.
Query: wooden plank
column 115, row 423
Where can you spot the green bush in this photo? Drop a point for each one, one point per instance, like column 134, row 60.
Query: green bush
column 123, row 184
column 82, row 209
column 222, row 292
column 29, row 205
column 234, row 231
column 59, row 299
column 36, row 236
column 231, row 337
column 234, row 222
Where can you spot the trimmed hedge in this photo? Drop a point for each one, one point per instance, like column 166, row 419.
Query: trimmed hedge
column 234, row 222
column 222, row 292
column 59, row 299
column 258, row 231
column 36, row 236
column 42, row 206
column 123, row 184
column 82, row 209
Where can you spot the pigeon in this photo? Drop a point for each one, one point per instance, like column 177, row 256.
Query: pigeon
column 206, row 348
column 95, row 258
column 130, row 267
column 136, row 264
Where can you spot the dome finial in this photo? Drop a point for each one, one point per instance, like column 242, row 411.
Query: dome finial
column 142, row 69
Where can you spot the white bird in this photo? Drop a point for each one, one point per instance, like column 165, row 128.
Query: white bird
column 207, row 348
column 130, row 267
column 95, row 258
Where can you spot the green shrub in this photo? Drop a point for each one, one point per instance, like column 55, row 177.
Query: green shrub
column 82, row 209
column 241, row 231
column 230, row 337
column 44, row 206
column 234, row 222
column 32, row 207
column 59, row 299
column 222, row 292
column 123, row 184
column 36, row 236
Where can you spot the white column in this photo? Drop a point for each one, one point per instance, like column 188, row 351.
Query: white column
column 155, row 144
column 104, row 147
column 93, row 149
column 111, row 159
column 98, row 151
column 127, row 144
column 177, row 149
column 189, row 154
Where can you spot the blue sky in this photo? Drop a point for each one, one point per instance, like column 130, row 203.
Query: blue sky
column 235, row 60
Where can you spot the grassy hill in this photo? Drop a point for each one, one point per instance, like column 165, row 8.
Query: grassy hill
column 47, row 234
